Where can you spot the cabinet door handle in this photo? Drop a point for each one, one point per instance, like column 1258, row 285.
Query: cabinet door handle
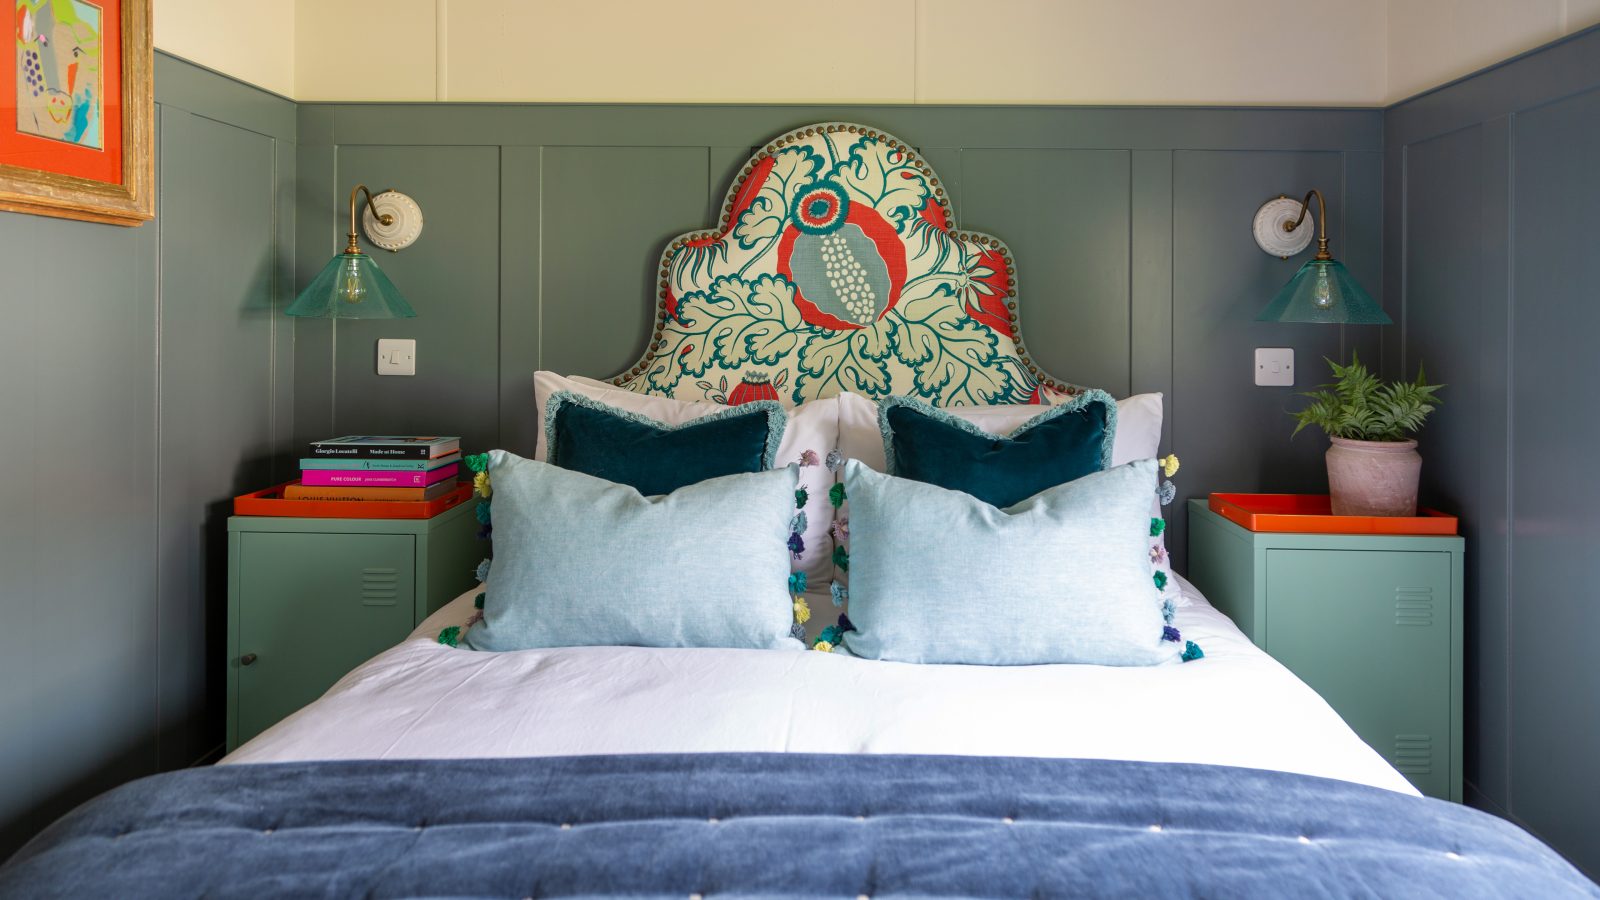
column 247, row 659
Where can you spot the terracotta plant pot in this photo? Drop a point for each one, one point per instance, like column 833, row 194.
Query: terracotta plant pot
column 1373, row 478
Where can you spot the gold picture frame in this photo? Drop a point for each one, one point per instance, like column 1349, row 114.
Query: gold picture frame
column 132, row 202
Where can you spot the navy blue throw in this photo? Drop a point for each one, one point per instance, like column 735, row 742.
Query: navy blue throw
column 775, row 825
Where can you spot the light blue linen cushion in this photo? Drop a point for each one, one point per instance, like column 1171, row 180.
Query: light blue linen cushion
column 581, row 561
column 939, row 576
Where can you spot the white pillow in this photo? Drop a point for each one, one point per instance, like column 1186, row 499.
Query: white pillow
column 813, row 427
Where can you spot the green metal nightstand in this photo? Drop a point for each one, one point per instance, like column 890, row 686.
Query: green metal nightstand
column 1373, row 623
column 311, row 599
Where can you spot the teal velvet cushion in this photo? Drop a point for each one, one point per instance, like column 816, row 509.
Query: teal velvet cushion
column 1062, row 443
column 580, row 561
column 939, row 576
column 588, row 436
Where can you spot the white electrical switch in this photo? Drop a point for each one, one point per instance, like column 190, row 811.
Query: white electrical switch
column 397, row 356
column 1275, row 366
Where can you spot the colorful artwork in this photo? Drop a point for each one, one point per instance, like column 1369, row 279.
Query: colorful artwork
column 59, row 85
column 77, row 114
column 836, row 268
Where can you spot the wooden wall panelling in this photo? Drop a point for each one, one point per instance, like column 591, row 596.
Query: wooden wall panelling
column 220, row 315
column 1065, row 214
column 450, row 276
column 1228, row 431
column 520, row 331
column 608, row 212
column 1555, row 733
column 142, row 380
column 1088, row 199
column 1489, row 191
column 1444, row 332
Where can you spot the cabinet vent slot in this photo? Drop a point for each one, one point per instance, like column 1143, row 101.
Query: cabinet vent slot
column 380, row 587
column 1413, row 754
column 1413, row 606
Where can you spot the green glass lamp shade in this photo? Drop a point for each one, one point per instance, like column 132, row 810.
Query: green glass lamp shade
column 351, row 286
column 1323, row 291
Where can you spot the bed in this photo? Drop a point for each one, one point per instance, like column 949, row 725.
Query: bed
column 436, row 770
column 420, row 700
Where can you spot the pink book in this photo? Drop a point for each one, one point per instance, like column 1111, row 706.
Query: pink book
column 362, row 478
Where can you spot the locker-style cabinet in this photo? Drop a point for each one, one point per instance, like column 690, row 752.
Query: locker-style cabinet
column 1373, row 623
column 311, row 599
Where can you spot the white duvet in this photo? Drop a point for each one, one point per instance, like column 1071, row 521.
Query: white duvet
column 420, row 699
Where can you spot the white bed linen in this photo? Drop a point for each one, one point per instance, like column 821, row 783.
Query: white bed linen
column 420, row 699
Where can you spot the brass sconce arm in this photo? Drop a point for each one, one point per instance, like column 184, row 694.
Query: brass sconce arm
column 385, row 218
column 1322, row 221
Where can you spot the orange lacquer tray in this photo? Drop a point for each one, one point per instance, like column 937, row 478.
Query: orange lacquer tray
column 271, row 502
column 1310, row 514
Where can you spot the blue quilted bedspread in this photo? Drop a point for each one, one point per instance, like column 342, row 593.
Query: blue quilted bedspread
column 679, row 825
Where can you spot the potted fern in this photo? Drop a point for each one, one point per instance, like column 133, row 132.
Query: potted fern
column 1373, row 466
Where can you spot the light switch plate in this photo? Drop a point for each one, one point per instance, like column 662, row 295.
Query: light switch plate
column 1275, row 366
column 397, row 356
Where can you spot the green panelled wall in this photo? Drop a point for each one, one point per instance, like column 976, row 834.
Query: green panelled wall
column 544, row 224
column 144, row 379
column 1490, row 187
column 158, row 379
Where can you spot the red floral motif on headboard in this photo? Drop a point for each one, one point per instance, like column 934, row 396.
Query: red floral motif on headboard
column 834, row 268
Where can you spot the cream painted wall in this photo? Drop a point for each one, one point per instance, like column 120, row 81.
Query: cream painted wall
column 905, row 51
column 1431, row 42
column 1231, row 52
column 251, row 41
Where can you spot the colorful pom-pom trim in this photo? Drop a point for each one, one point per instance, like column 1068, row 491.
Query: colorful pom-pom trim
column 1169, row 464
column 1160, row 578
column 1157, row 526
column 801, row 495
column 797, row 583
column 798, row 632
column 841, row 559
column 477, row 602
column 809, row 458
column 835, row 459
column 822, row 647
column 477, row 462
column 451, row 636
column 1168, row 633
column 1168, row 492
column 482, row 572
column 802, row 610
column 839, row 594
column 480, row 483
column 1192, row 652
column 483, row 512
column 836, row 495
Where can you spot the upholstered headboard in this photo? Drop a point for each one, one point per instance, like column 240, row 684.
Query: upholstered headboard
column 837, row 267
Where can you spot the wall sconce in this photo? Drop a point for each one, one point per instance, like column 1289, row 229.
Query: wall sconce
column 1323, row 290
column 351, row 286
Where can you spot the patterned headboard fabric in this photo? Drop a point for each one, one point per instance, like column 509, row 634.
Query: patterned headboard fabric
column 837, row 267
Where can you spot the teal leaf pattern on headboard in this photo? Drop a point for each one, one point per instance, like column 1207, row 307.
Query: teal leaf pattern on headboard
column 836, row 267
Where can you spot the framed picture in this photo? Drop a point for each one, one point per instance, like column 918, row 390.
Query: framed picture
column 76, row 110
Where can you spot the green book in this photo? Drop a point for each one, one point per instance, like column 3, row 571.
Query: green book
column 381, row 465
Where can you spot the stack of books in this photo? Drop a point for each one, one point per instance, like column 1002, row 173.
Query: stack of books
column 378, row 467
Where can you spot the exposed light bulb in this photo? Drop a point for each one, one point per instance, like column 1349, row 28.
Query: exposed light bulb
column 353, row 291
column 1322, row 295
